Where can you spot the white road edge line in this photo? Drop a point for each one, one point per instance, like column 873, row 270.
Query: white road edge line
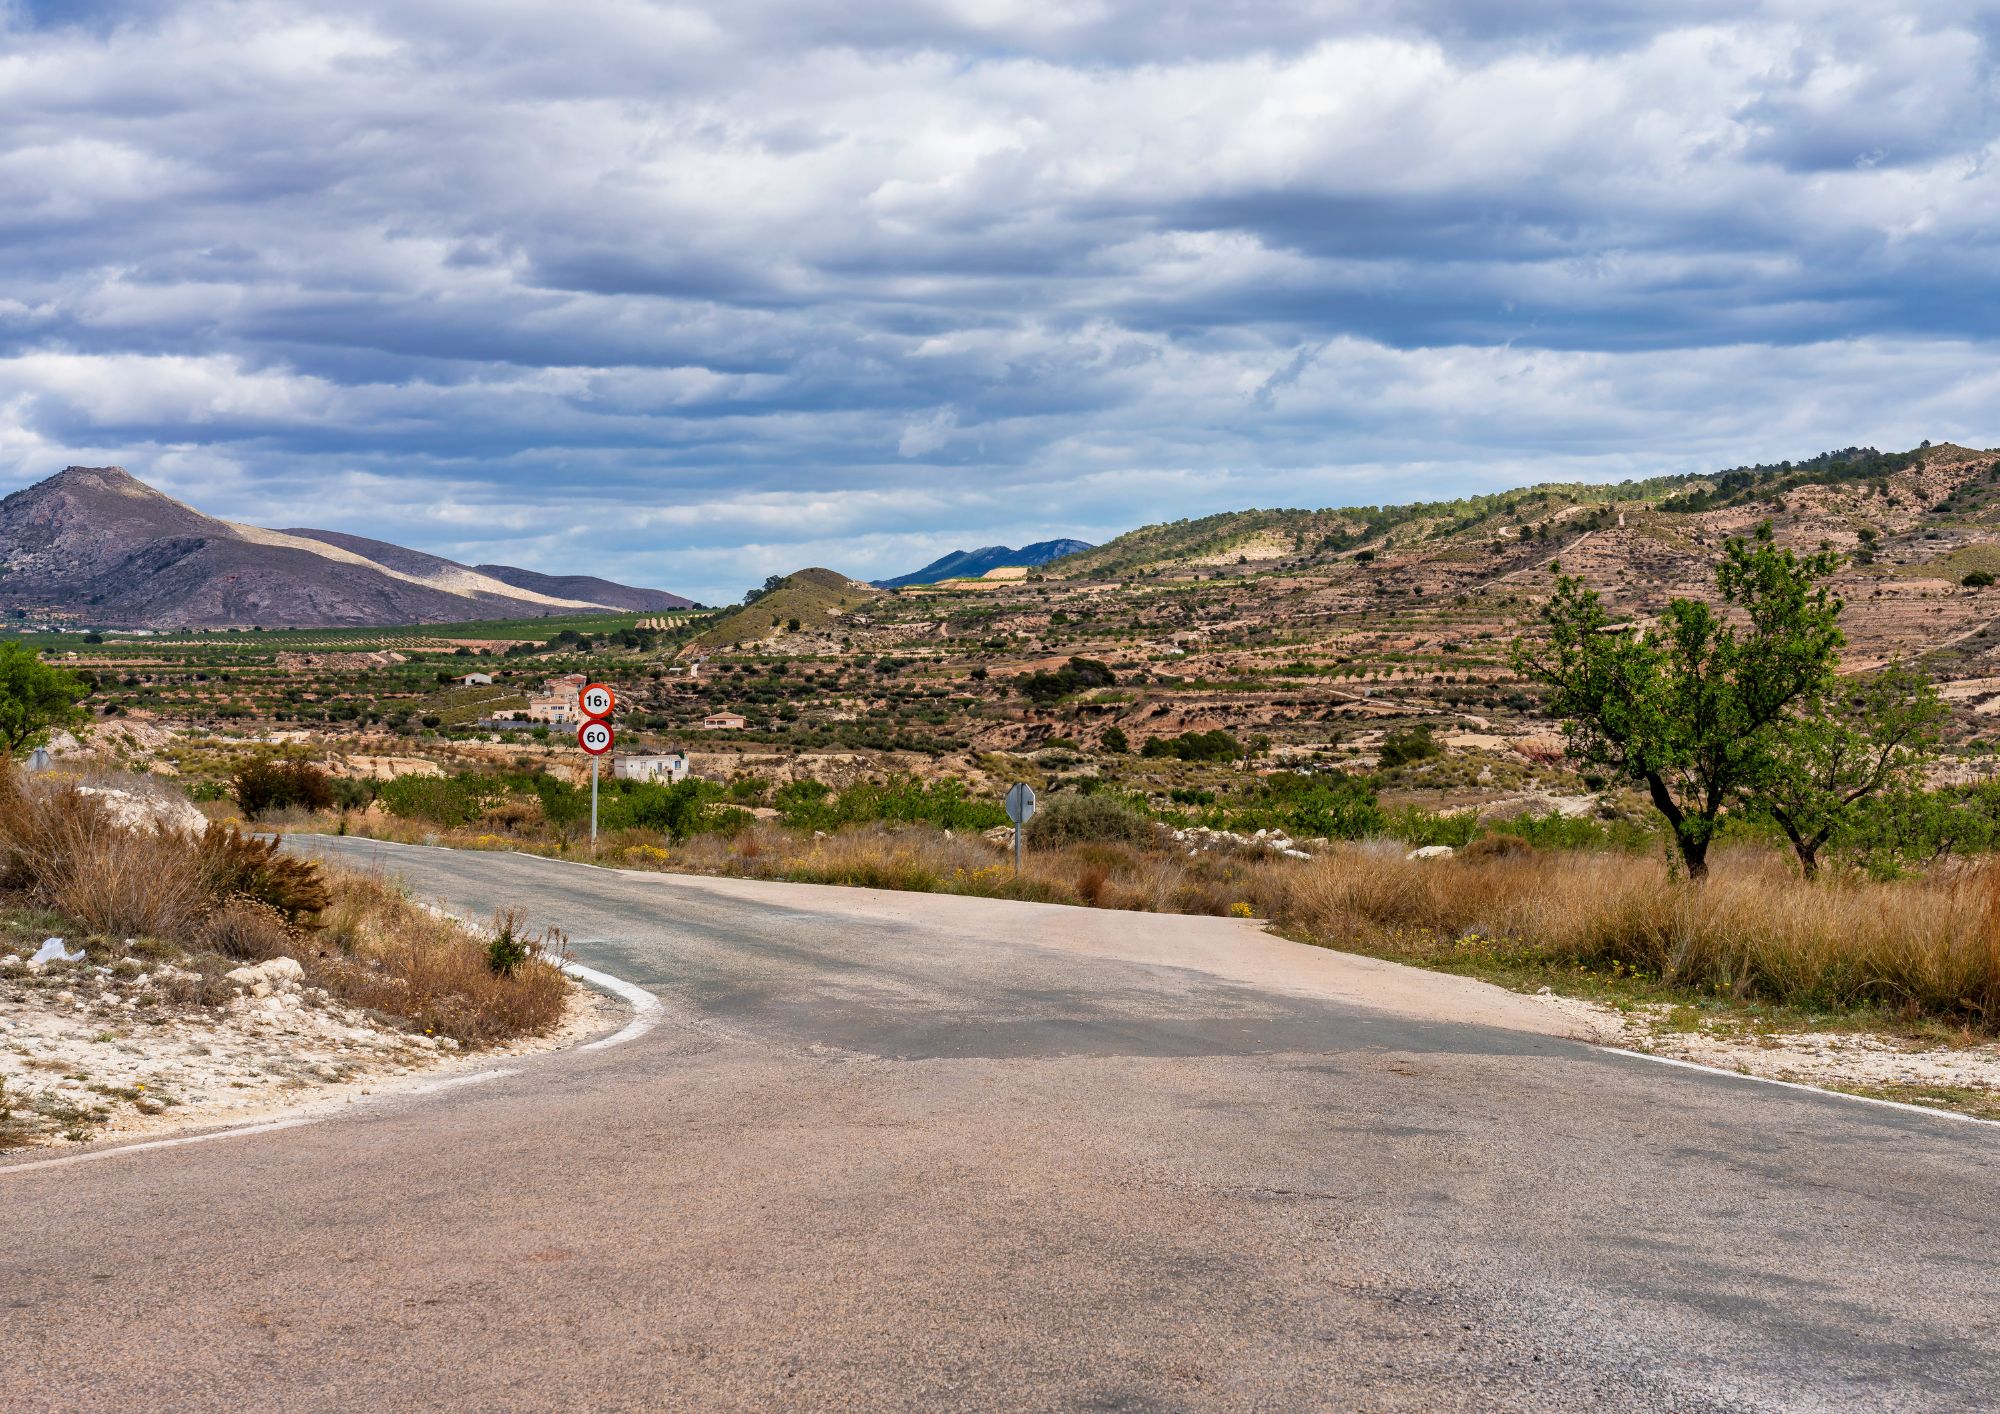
column 1925, row 1110
column 644, row 1004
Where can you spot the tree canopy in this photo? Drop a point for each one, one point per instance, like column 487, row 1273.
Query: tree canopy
column 36, row 698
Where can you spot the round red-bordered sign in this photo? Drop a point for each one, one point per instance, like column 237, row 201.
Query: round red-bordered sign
column 596, row 700
column 595, row 737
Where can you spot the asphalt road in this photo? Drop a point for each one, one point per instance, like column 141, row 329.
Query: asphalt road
column 902, row 1151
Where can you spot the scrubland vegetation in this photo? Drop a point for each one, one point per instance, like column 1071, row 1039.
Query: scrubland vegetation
column 1555, row 682
column 120, row 886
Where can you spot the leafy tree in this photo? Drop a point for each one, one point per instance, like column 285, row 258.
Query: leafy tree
column 1115, row 741
column 1841, row 746
column 36, row 698
column 1692, row 707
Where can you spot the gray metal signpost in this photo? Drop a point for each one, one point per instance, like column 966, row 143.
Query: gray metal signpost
column 595, row 736
column 1020, row 809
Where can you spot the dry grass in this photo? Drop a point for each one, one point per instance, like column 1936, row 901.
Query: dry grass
column 378, row 949
column 223, row 893
column 67, row 852
column 1920, row 947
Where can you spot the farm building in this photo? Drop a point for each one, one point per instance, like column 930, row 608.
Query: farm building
column 725, row 721
column 669, row 766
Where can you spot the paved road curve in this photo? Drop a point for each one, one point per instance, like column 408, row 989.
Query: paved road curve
column 898, row 1151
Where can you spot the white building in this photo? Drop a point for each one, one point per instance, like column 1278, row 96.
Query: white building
column 670, row 767
column 476, row 680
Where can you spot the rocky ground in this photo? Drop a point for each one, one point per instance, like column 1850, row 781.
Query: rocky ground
column 140, row 1044
column 1965, row 1078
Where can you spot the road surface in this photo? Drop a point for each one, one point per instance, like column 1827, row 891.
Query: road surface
column 908, row 1152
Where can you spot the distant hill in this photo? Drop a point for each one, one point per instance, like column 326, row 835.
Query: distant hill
column 584, row 586
column 812, row 599
column 101, row 545
column 971, row 564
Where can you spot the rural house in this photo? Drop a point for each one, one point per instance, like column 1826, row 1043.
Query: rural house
column 725, row 721
column 671, row 767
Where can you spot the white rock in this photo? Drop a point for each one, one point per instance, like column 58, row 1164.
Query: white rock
column 282, row 969
column 243, row 976
column 171, row 813
column 1431, row 851
column 9, row 961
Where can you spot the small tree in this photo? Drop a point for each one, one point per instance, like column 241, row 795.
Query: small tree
column 36, row 699
column 1690, row 709
column 1842, row 746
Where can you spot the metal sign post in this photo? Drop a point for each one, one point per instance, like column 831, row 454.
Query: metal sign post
column 1020, row 809
column 595, row 736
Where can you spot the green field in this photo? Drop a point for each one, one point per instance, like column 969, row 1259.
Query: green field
column 403, row 637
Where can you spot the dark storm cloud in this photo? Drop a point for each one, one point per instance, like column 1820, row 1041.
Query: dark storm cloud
column 699, row 292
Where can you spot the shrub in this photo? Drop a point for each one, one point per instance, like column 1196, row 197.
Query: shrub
column 1114, row 741
column 446, row 801
column 268, row 784
column 507, row 952
column 1978, row 579
column 1073, row 819
column 1077, row 675
column 1195, row 746
column 1412, row 744
column 234, row 865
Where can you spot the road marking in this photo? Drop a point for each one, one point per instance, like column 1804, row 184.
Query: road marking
column 645, row 1006
column 1809, row 1089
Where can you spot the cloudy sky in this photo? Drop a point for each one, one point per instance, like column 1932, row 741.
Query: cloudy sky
column 691, row 293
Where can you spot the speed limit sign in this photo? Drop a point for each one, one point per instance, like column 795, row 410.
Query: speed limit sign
column 594, row 737
column 596, row 700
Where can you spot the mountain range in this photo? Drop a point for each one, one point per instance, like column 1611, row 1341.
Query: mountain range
column 971, row 564
column 98, row 544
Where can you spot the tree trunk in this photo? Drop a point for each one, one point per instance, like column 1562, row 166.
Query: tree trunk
column 1807, row 850
column 1694, row 851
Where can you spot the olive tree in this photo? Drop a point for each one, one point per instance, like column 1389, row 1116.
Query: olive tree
column 1690, row 706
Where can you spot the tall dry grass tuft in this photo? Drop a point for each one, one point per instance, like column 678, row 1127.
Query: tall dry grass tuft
column 67, row 851
column 1924, row 947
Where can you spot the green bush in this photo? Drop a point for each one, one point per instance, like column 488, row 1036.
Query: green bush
column 1077, row 675
column 1195, row 746
column 268, row 784
column 1412, row 744
column 507, row 952
column 449, row 802
column 1077, row 819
